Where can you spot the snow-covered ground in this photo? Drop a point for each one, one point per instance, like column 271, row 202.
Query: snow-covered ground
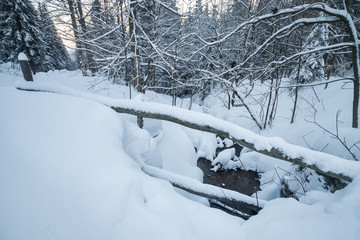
column 69, row 168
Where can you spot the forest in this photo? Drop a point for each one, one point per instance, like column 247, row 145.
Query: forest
column 186, row 119
column 152, row 45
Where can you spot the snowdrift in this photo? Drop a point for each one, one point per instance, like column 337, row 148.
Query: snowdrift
column 64, row 175
column 68, row 170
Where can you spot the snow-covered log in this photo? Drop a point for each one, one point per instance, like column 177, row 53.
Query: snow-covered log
column 205, row 190
column 274, row 147
column 271, row 146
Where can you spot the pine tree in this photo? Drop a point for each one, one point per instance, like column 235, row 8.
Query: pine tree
column 96, row 16
column 6, row 33
column 19, row 28
column 165, row 32
column 312, row 66
column 56, row 54
column 96, row 30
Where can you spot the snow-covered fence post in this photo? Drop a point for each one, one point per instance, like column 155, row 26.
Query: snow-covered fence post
column 25, row 67
column 140, row 121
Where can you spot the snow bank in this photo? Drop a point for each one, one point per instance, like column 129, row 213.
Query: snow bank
column 64, row 175
column 325, row 216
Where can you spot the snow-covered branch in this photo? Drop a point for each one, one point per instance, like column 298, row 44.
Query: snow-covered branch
column 285, row 59
column 205, row 190
column 296, row 24
column 316, row 6
column 170, row 9
column 271, row 146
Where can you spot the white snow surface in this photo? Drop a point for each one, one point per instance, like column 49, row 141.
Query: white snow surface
column 23, row 57
column 65, row 175
column 70, row 168
column 224, row 157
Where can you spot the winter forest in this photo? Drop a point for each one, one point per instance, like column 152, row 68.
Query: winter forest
column 179, row 119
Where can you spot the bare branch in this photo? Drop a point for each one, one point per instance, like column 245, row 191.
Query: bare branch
column 336, row 134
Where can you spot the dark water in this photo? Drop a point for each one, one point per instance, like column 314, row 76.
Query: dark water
column 239, row 180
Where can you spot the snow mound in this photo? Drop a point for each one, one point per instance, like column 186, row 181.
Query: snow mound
column 65, row 175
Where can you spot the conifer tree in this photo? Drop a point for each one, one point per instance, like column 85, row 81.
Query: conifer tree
column 55, row 52
column 312, row 67
column 19, row 28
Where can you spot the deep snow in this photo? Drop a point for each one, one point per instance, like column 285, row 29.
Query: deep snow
column 65, row 175
column 69, row 170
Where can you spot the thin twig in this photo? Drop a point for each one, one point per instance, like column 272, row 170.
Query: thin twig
column 336, row 135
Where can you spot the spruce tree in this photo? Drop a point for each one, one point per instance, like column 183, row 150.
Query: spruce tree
column 22, row 31
column 6, row 33
column 55, row 52
column 102, row 38
column 312, row 65
column 19, row 28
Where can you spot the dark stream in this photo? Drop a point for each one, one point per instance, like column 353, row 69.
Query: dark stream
column 239, row 180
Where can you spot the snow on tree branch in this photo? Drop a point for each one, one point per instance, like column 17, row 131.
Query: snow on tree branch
column 205, row 190
column 296, row 24
column 271, row 146
column 342, row 14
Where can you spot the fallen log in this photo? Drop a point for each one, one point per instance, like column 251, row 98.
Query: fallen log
column 276, row 147
column 272, row 152
column 205, row 190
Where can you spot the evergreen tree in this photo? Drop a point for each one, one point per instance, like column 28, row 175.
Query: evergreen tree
column 96, row 30
column 312, row 66
column 19, row 28
column 6, row 33
column 56, row 54
column 96, row 14
column 104, row 34
column 165, row 32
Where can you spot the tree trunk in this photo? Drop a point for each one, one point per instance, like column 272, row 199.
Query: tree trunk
column 356, row 66
column 135, row 53
column 84, row 32
column 355, row 123
column 76, row 34
column 134, row 50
